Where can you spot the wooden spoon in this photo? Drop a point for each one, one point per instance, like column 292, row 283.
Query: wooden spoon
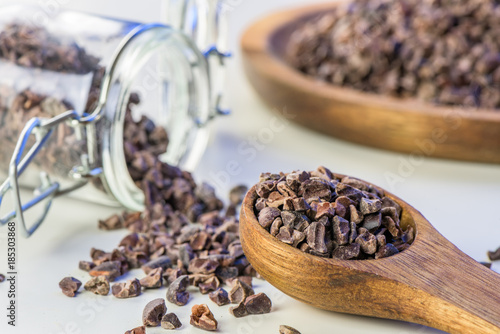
column 431, row 283
column 403, row 125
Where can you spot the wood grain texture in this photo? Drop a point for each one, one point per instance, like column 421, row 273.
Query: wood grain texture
column 403, row 125
column 431, row 283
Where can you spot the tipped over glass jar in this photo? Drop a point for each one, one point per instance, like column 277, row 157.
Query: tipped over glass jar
column 78, row 94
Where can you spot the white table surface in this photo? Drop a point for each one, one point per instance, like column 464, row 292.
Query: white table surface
column 438, row 188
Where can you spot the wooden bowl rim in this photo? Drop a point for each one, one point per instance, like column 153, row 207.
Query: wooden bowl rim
column 265, row 29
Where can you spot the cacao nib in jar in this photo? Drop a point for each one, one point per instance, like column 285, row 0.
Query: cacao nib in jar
column 102, row 89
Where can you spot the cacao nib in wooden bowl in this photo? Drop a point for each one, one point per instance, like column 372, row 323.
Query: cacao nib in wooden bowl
column 397, row 124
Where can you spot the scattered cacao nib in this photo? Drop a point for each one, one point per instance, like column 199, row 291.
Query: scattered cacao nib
column 153, row 312
column 486, row 264
column 239, row 292
column 244, row 279
column 170, row 321
column 203, row 266
column 2, row 278
column 258, row 304
column 210, row 284
column 137, row 330
column 86, row 265
column 131, row 288
column 238, row 311
column 494, row 256
column 345, row 218
column 110, row 269
column 288, row 330
column 441, row 52
column 219, row 297
column 209, row 252
column 153, row 280
column 115, row 222
column 202, row 317
column 98, row 285
column 162, row 262
column 69, row 286
column 236, row 194
column 177, row 293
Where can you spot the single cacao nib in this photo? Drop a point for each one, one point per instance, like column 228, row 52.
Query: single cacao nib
column 267, row 216
column 153, row 280
column 219, row 296
column 131, row 288
column 494, row 256
column 153, row 312
column 69, row 286
column 163, row 262
column 114, row 222
column 239, row 311
column 288, row 330
column 110, row 269
column 239, row 292
column 170, row 321
column 258, row 304
column 177, row 293
column 347, row 252
column 202, row 317
column 137, row 330
column 98, row 285
column 386, row 250
column 86, row 265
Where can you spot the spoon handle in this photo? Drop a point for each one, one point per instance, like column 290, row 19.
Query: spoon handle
column 455, row 293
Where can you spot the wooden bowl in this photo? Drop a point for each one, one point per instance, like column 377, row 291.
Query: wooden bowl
column 402, row 125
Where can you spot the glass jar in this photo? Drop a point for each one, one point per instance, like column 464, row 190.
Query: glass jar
column 71, row 82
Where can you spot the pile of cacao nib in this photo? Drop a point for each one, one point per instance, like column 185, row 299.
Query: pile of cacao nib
column 328, row 215
column 444, row 52
column 34, row 47
column 184, row 237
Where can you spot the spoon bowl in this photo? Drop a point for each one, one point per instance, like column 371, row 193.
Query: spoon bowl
column 431, row 283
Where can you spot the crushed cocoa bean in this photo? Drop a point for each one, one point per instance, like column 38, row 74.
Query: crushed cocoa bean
column 219, row 297
column 239, row 292
column 170, row 321
column 288, row 330
column 115, row 222
column 137, row 330
column 202, row 317
column 239, row 311
column 69, row 286
column 345, row 218
column 258, row 304
column 153, row 312
column 110, row 269
column 177, row 293
column 494, row 256
column 98, row 285
column 162, row 262
column 86, row 265
column 153, row 280
column 131, row 288
column 442, row 52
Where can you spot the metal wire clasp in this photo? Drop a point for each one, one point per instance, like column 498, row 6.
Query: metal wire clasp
column 42, row 129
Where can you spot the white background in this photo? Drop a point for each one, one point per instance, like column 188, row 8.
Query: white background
column 460, row 199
